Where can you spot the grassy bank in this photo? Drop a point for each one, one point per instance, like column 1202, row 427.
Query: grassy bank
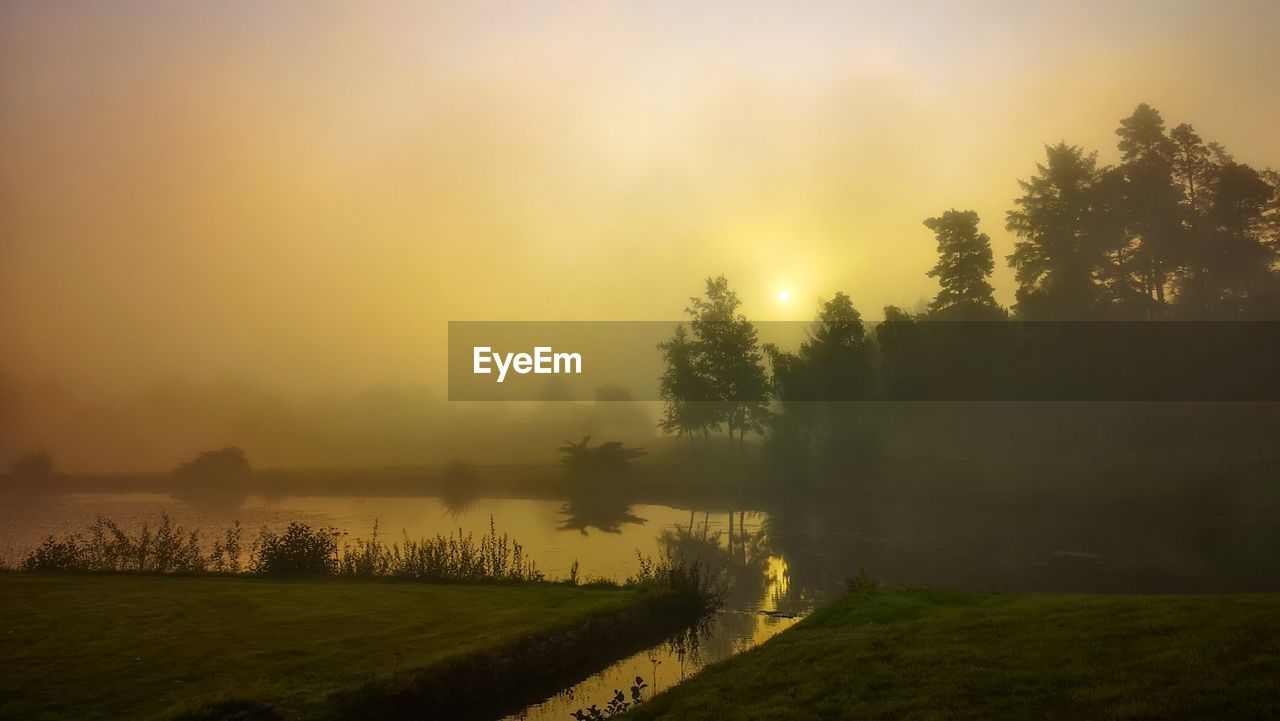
column 936, row 655
column 111, row 646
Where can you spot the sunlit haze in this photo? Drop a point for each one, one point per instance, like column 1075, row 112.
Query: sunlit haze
column 299, row 196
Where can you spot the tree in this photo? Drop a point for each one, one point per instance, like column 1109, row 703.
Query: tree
column 833, row 364
column 214, row 477
column 964, row 268
column 729, row 358
column 1193, row 168
column 1232, row 217
column 1149, row 203
column 1055, row 263
column 837, row 352
column 902, row 352
column 1238, row 260
column 33, row 466
column 720, row 365
column 605, row 455
column 685, row 392
column 1195, row 171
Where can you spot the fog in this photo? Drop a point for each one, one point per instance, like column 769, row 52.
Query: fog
column 242, row 224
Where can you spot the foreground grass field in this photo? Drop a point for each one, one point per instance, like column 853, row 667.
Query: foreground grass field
column 934, row 655
column 137, row 647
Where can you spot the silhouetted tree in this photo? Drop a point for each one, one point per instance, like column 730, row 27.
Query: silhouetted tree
column 686, row 393
column 1148, row 199
column 835, row 363
column 1238, row 259
column 901, row 350
column 728, row 356
column 214, row 477
column 1056, row 260
column 1193, row 168
column 33, row 466
column 964, row 268
column 605, row 455
column 836, row 357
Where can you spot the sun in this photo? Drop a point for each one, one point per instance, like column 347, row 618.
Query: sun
column 784, row 296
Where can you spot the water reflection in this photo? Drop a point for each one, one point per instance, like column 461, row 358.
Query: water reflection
column 740, row 554
column 597, row 497
column 663, row 665
column 457, row 488
column 599, row 511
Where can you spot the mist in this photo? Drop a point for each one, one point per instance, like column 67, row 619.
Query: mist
column 261, row 220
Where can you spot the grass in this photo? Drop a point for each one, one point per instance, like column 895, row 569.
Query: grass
column 937, row 655
column 113, row 646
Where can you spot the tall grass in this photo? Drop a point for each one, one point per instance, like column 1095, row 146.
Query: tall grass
column 455, row 557
column 702, row 587
column 105, row 546
column 303, row 549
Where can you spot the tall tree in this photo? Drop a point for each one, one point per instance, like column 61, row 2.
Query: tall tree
column 1149, row 200
column 1239, row 260
column 833, row 362
column 837, row 352
column 1193, row 168
column 964, row 268
column 727, row 355
column 688, row 406
column 1056, row 260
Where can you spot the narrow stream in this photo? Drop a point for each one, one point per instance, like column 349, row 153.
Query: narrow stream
column 662, row 666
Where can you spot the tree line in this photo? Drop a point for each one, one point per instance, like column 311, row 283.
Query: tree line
column 1177, row 230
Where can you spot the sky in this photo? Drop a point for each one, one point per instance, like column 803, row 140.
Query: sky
column 302, row 194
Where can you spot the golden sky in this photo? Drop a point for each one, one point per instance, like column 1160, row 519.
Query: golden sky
column 303, row 194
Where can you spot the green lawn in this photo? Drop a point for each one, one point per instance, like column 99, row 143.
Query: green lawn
column 98, row 647
column 935, row 655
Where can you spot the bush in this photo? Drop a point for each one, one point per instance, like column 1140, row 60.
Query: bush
column 302, row 549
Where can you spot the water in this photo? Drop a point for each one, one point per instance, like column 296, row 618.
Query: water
column 662, row 666
column 784, row 558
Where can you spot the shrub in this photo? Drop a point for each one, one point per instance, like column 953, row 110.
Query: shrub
column 225, row 556
column 302, row 549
